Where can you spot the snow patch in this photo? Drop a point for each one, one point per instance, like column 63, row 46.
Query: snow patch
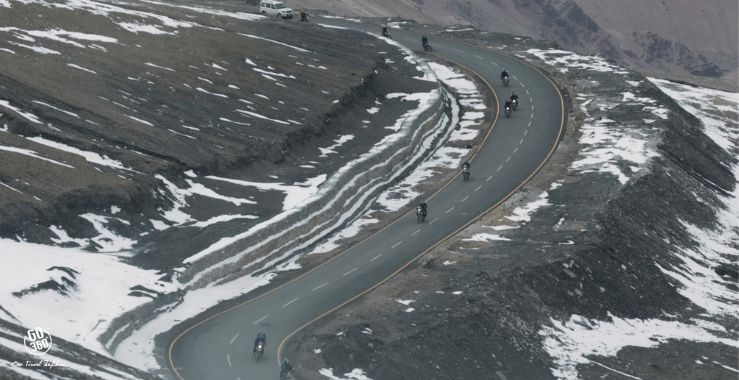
column 355, row 374
column 571, row 343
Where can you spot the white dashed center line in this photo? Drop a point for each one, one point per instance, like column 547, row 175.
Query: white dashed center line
column 520, row 142
column 448, row 211
column 347, row 273
column 376, row 257
column 261, row 319
column 228, row 359
column 397, row 244
column 320, row 286
column 515, row 150
column 532, row 108
column 489, row 178
column 527, row 130
column 478, row 187
column 291, row 301
column 532, row 116
column 523, row 85
column 432, row 222
column 465, row 198
column 234, row 338
column 508, row 159
column 493, row 63
column 417, row 231
column 500, row 167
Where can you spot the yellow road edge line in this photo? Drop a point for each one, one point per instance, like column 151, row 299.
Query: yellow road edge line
column 398, row 218
column 523, row 183
column 536, row 171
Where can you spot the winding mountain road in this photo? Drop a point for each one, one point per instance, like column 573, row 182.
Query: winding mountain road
column 220, row 346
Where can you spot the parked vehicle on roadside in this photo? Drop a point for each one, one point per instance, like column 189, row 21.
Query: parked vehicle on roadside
column 275, row 9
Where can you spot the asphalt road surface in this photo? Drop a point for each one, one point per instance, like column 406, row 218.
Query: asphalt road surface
column 220, row 346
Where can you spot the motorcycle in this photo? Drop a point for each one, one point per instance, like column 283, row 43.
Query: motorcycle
column 259, row 352
column 420, row 214
column 304, row 16
column 385, row 32
column 508, row 112
column 427, row 47
column 514, row 104
column 466, row 174
column 506, row 81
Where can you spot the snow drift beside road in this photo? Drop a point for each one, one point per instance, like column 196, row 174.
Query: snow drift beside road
column 73, row 293
column 576, row 341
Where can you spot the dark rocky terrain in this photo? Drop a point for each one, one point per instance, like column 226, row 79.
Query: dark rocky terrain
column 172, row 100
column 599, row 247
column 115, row 118
column 163, row 103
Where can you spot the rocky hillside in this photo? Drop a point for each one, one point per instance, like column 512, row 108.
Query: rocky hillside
column 617, row 261
column 683, row 38
column 109, row 112
column 140, row 141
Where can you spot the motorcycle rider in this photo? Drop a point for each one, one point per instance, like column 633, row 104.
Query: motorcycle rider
column 421, row 210
column 385, row 32
column 424, row 41
column 514, row 98
column 285, row 368
column 507, row 108
column 466, row 170
column 261, row 337
column 504, row 74
column 303, row 16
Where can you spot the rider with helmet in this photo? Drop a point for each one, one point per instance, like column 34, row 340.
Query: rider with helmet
column 385, row 32
column 514, row 100
column 425, row 43
column 504, row 74
column 285, row 368
column 261, row 337
column 421, row 212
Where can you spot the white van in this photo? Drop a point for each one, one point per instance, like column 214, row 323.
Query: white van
column 275, row 9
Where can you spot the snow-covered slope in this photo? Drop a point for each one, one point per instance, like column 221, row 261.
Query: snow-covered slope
column 145, row 142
